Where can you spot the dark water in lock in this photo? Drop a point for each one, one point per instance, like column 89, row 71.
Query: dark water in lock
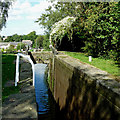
column 46, row 106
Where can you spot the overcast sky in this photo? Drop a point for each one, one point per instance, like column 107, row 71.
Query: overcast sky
column 22, row 16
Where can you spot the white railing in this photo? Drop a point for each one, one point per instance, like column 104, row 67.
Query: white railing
column 17, row 67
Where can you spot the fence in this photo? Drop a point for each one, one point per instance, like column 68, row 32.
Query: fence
column 17, row 67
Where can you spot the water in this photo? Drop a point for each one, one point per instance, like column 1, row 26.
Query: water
column 41, row 89
column 46, row 106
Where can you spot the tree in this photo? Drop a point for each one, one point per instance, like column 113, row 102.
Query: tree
column 39, row 41
column 9, row 39
column 58, row 11
column 15, row 38
column 4, row 7
column 60, row 30
column 21, row 46
column 46, row 42
column 31, row 36
column 18, row 38
column 96, row 30
column 101, row 29
column 10, row 49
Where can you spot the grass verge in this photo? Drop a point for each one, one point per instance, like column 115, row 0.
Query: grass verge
column 107, row 65
column 8, row 73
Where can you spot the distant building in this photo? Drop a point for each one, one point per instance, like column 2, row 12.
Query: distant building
column 28, row 43
column 6, row 45
column 15, row 44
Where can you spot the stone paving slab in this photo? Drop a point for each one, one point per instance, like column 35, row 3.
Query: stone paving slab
column 20, row 105
column 27, row 88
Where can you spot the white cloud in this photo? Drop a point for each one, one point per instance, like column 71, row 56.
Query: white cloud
column 22, row 15
column 26, row 9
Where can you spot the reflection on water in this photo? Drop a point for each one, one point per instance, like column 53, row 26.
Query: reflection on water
column 47, row 108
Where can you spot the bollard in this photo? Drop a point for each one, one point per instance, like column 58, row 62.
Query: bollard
column 90, row 58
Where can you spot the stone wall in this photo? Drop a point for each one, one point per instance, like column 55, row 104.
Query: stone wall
column 42, row 57
column 82, row 91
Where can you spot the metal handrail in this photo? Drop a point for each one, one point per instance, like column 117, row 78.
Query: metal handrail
column 17, row 67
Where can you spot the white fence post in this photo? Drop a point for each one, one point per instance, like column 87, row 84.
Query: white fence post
column 90, row 58
column 17, row 70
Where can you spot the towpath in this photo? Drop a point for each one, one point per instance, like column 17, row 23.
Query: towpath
column 22, row 105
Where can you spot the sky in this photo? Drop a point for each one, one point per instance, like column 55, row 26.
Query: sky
column 22, row 17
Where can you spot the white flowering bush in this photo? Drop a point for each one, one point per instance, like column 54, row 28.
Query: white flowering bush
column 61, row 28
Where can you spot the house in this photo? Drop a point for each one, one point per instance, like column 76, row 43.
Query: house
column 28, row 43
column 15, row 44
column 4, row 45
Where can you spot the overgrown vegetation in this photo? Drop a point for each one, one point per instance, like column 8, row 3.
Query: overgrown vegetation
column 95, row 31
column 39, row 41
column 8, row 73
column 11, row 49
column 21, row 46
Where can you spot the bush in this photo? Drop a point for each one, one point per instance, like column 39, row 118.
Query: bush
column 21, row 46
column 11, row 49
column 46, row 42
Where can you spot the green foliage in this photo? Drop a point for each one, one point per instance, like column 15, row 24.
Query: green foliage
column 4, row 7
column 39, row 41
column 15, row 37
column 21, row 46
column 57, row 12
column 31, row 36
column 101, row 29
column 96, row 30
column 2, row 50
column 103, row 36
column 8, row 70
column 60, row 29
column 18, row 38
column 11, row 49
column 46, row 42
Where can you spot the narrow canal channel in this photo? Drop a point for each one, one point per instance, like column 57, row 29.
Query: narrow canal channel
column 46, row 106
